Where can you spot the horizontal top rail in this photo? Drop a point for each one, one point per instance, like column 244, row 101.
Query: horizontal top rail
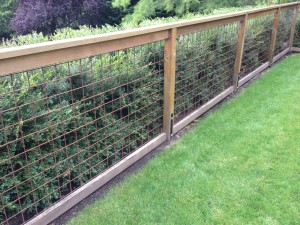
column 158, row 32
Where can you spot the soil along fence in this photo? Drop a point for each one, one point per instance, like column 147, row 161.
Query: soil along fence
column 75, row 113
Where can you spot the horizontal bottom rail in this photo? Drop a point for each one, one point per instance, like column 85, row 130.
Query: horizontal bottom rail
column 280, row 55
column 77, row 196
column 198, row 112
column 295, row 49
column 253, row 74
column 67, row 203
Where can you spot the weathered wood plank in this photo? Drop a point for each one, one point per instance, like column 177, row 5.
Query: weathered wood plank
column 16, row 59
column 280, row 55
column 207, row 25
column 187, row 120
column 274, row 36
column 239, row 51
column 40, row 59
column 71, row 200
column 295, row 49
column 262, row 13
column 169, row 82
column 253, row 74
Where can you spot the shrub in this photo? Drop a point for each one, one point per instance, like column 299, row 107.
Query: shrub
column 79, row 128
column 47, row 16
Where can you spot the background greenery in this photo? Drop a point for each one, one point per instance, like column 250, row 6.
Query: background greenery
column 211, row 41
column 23, row 17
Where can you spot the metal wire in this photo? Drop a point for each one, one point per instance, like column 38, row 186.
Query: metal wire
column 257, row 43
column 284, row 30
column 205, row 64
column 62, row 125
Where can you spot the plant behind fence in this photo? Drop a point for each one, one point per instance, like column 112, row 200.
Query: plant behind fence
column 64, row 124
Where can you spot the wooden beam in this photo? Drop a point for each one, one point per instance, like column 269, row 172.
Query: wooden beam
column 274, row 36
column 207, row 25
column 77, row 196
column 169, row 82
column 72, row 42
column 40, row 59
column 262, row 13
column 29, row 56
column 280, row 55
column 295, row 49
column 239, row 51
column 253, row 74
column 203, row 109
column 294, row 24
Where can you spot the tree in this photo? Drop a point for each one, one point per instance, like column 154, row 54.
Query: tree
column 152, row 8
column 48, row 15
column 7, row 8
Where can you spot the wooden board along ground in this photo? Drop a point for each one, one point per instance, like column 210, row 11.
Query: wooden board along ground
column 240, row 165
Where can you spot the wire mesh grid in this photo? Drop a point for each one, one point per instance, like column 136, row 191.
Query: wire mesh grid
column 297, row 33
column 62, row 125
column 257, row 43
column 284, row 30
column 205, row 65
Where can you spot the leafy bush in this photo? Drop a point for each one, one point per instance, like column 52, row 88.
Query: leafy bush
column 75, row 124
column 64, row 33
column 7, row 8
column 297, row 33
column 47, row 16
column 73, row 113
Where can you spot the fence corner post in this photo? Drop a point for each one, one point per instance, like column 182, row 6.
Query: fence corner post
column 274, row 36
column 169, row 82
column 239, row 51
column 294, row 24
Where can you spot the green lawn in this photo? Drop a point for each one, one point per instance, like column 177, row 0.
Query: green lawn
column 240, row 165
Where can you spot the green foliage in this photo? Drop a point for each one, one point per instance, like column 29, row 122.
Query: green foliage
column 239, row 165
column 204, row 67
column 113, row 70
column 297, row 34
column 144, row 9
column 65, row 33
column 70, row 127
column 7, row 8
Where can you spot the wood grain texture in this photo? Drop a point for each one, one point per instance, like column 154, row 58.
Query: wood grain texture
column 169, row 81
column 253, row 74
column 274, row 36
column 239, row 51
column 71, row 200
column 280, row 55
column 207, row 106
column 207, row 25
column 40, row 59
column 295, row 49
column 17, row 59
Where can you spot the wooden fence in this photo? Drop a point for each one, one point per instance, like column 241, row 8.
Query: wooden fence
column 75, row 113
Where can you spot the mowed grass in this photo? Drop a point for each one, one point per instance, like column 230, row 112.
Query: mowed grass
column 240, row 165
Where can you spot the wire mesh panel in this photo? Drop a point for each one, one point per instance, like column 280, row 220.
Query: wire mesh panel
column 297, row 33
column 62, row 125
column 205, row 65
column 284, row 30
column 257, row 43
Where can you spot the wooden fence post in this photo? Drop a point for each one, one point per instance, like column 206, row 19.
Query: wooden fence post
column 239, row 51
column 274, row 36
column 296, row 9
column 169, row 82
